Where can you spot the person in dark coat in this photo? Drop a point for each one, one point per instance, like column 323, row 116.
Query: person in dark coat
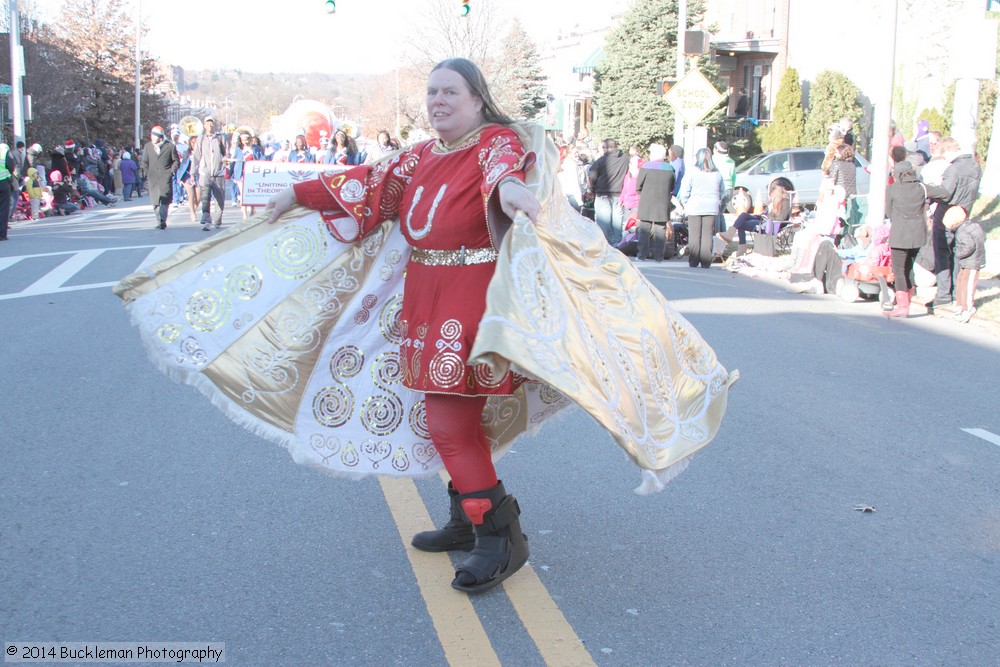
column 59, row 163
column 905, row 206
column 655, row 183
column 607, row 175
column 159, row 162
column 961, row 181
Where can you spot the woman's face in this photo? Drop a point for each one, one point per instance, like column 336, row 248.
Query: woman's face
column 300, row 144
column 340, row 139
column 383, row 139
column 451, row 107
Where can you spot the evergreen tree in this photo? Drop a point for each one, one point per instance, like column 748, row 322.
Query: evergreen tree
column 787, row 128
column 641, row 51
column 520, row 86
column 831, row 97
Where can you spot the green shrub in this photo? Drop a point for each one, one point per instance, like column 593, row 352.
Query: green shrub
column 787, row 128
column 832, row 96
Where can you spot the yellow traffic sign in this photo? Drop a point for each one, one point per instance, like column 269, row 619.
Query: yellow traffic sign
column 693, row 97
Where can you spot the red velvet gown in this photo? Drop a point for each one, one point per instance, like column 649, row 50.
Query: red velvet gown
column 444, row 197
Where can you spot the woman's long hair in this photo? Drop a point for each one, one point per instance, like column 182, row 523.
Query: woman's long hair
column 776, row 195
column 477, row 86
column 703, row 160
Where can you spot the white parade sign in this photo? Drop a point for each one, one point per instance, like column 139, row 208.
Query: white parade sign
column 693, row 97
column 262, row 180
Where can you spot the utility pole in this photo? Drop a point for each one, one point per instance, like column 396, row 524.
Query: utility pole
column 681, row 28
column 16, row 72
column 881, row 120
column 138, row 69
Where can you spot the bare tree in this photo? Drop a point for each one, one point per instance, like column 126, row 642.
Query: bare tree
column 444, row 34
column 84, row 72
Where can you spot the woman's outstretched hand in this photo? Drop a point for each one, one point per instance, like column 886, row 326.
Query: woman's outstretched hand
column 515, row 196
column 280, row 204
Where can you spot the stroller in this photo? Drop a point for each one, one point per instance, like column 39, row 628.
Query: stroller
column 22, row 210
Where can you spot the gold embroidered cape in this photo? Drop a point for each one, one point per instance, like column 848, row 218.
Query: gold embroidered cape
column 295, row 336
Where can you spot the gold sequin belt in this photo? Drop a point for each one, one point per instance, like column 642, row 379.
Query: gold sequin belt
column 461, row 257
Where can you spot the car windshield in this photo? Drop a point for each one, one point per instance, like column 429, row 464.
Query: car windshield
column 746, row 164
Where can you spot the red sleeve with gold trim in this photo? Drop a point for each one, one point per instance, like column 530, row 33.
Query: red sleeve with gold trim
column 501, row 154
column 369, row 195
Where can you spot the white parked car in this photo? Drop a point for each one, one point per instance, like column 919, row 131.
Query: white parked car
column 798, row 169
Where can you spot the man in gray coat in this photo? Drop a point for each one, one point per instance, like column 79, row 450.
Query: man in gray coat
column 159, row 162
column 209, row 164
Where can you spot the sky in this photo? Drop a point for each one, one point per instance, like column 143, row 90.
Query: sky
column 301, row 36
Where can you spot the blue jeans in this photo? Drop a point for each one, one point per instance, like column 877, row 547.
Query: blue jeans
column 610, row 217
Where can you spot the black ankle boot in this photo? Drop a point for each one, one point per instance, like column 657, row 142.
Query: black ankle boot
column 501, row 548
column 456, row 535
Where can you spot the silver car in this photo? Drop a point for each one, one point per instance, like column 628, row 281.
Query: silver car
column 798, row 169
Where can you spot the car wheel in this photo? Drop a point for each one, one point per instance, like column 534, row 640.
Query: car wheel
column 739, row 195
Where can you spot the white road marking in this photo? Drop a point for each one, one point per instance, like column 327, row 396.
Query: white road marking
column 9, row 261
column 985, row 435
column 53, row 281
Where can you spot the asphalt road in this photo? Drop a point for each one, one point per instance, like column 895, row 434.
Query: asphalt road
column 132, row 510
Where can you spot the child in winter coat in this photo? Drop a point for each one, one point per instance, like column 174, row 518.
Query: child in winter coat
column 33, row 186
column 970, row 257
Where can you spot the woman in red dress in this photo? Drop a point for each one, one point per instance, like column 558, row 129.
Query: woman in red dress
column 453, row 197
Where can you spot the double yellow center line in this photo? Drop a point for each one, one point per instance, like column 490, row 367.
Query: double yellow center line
column 458, row 627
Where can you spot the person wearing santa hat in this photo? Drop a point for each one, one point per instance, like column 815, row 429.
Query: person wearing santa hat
column 159, row 163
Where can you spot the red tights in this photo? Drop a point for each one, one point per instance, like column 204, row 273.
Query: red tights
column 455, row 425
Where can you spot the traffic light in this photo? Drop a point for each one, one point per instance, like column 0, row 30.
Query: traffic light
column 664, row 85
column 464, row 8
column 331, row 6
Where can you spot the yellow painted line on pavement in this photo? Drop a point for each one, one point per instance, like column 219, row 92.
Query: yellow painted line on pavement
column 458, row 627
column 553, row 635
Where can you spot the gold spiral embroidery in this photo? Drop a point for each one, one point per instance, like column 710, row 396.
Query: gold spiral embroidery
column 296, row 252
column 334, row 404
column 447, row 369
column 485, row 378
column 207, row 309
column 168, row 333
column 244, row 282
column 382, row 414
column 418, row 420
column 389, row 322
